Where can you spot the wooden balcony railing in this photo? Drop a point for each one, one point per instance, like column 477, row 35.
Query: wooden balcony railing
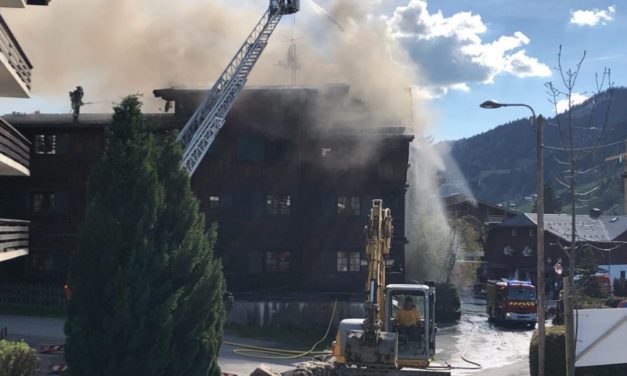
column 13, row 144
column 15, row 56
column 13, row 235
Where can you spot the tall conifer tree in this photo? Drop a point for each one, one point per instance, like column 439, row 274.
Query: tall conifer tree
column 146, row 289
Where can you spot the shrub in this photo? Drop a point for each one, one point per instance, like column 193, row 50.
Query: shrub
column 17, row 359
column 620, row 286
column 447, row 304
column 555, row 358
column 613, row 301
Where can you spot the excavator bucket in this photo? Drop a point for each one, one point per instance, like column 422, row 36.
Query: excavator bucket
column 382, row 355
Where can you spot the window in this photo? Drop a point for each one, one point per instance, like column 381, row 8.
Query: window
column 48, row 203
column 354, row 208
column 328, row 205
column 622, row 274
column 348, row 261
column 278, row 261
column 42, row 202
column 42, row 262
column 325, row 152
column 255, row 262
column 348, row 205
column 514, row 234
column 226, row 202
column 531, row 233
column 45, row 144
column 278, row 204
column 214, row 202
column 250, row 149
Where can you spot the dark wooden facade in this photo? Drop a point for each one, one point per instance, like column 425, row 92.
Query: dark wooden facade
column 511, row 246
column 488, row 214
column 290, row 197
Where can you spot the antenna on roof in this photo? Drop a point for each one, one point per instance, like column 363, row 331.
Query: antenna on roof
column 291, row 61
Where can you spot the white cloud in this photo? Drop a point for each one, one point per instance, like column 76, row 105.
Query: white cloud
column 451, row 53
column 592, row 17
column 575, row 99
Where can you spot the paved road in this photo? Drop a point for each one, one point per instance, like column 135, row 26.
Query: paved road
column 502, row 352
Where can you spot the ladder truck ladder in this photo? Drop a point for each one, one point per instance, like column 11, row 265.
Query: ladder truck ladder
column 202, row 128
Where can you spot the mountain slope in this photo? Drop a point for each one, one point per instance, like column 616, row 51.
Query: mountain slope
column 499, row 165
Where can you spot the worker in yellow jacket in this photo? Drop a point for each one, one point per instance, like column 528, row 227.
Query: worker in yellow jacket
column 408, row 319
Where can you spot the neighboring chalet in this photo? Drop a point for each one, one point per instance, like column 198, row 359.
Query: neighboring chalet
column 482, row 215
column 488, row 214
column 511, row 246
column 290, row 196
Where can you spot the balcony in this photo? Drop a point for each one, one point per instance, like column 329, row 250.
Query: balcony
column 21, row 3
column 14, row 151
column 13, row 238
column 13, row 3
column 15, row 69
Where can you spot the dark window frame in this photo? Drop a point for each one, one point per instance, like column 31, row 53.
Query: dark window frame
column 277, row 261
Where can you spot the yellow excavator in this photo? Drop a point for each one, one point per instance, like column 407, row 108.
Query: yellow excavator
column 376, row 345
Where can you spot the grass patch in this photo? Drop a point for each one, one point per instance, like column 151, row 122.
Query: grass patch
column 20, row 310
column 297, row 337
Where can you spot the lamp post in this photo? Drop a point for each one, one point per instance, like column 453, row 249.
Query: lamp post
column 537, row 122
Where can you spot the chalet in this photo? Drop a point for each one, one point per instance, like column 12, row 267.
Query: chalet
column 290, row 195
column 511, row 246
column 486, row 213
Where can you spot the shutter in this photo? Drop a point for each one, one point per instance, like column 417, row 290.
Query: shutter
column 63, row 144
column 61, row 203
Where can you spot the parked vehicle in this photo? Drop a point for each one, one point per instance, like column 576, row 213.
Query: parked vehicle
column 512, row 301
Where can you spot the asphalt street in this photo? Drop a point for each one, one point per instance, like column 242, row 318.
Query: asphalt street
column 500, row 351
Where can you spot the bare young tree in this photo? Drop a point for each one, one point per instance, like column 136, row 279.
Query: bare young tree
column 577, row 125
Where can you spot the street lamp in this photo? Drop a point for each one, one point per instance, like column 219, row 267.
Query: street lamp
column 540, row 233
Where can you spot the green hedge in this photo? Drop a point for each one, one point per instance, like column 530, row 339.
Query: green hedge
column 554, row 360
column 17, row 359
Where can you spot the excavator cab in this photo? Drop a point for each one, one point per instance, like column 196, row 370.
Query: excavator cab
column 409, row 312
column 284, row 6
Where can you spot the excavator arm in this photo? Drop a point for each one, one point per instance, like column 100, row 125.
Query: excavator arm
column 378, row 244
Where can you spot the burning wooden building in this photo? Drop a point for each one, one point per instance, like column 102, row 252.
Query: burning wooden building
column 288, row 185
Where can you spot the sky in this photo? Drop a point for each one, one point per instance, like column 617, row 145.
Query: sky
column 453, row 53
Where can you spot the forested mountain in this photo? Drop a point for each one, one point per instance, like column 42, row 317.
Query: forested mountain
column 500, row 165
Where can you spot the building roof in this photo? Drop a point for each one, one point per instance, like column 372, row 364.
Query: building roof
column 601, row 230
column 85, row 120
column 458, row 198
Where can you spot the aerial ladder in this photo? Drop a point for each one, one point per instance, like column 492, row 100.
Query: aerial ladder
column 203, row 127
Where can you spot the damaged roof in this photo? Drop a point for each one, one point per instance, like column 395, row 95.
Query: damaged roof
column 85, row 120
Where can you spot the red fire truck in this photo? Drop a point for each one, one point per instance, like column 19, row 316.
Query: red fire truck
column 512, row 301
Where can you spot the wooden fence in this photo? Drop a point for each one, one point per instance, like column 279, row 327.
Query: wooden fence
column 31, row 296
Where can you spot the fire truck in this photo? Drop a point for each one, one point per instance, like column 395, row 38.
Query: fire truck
column 512, row 301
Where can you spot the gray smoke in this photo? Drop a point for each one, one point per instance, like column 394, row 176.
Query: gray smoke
column 116, row 47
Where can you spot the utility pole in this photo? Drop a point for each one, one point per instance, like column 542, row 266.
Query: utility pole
column 540, row 245
column 538, row 123
column 568, row 318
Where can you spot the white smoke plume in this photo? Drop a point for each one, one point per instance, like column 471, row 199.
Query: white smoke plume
column 116, row 47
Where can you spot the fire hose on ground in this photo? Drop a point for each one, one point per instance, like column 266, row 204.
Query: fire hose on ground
column 274, row 353
column 262, row 352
